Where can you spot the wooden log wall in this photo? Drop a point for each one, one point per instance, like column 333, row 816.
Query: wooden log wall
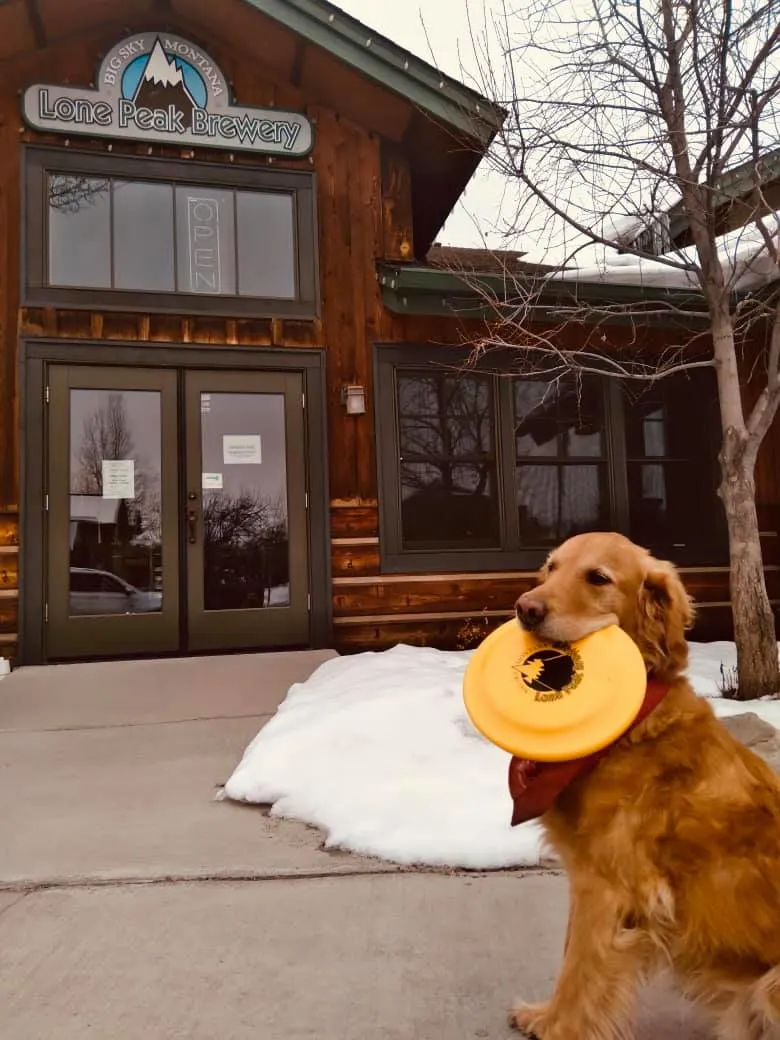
column 373, row 611
column 9, row 583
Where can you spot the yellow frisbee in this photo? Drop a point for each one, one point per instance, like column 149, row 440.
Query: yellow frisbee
column 551, row 702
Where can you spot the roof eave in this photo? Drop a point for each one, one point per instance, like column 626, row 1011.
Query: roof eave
column 428, row 291
column 327, row 26
column 735, row 186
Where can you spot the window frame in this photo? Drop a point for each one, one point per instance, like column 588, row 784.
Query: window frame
column 388, row 358
column 39, row 162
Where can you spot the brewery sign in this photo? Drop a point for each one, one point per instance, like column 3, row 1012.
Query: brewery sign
column 160, row 87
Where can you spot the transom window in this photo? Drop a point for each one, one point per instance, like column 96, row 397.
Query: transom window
column 482, row 470
column 234, row 240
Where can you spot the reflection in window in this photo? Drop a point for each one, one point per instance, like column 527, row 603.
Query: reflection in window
column 143, row 233
column 448, row 463
column 115, row 506
column 571, row 455
column 79, row 232
column 266, row 245
column 246, row 552
column 558, row 417
column 153, row 236
column 560, row 459
column 670, row 466
column 555, row 502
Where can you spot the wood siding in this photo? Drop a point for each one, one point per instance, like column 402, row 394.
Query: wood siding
column 9, row 582
column 372, row 610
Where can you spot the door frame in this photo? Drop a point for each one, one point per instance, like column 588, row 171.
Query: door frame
column 70, row 637
column 34, row 356
column 222, row 627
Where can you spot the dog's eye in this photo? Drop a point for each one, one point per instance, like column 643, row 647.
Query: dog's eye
column 597, row 578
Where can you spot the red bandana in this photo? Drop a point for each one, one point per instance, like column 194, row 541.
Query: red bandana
column 534, row 786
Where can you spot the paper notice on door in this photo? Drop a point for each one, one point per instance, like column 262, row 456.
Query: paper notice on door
column 212, row 482
column 241, row 450
column 118, row 478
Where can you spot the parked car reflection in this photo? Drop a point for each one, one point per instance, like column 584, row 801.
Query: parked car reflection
column 100, row 592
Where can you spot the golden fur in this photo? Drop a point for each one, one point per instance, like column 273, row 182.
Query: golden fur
column 672, row 844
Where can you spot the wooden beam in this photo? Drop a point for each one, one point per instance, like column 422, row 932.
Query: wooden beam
column 296, row 73
column 36, row 23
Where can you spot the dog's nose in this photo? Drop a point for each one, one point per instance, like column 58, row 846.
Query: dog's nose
column 531, row 611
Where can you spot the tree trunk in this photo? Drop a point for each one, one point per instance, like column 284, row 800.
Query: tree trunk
column 754, row 623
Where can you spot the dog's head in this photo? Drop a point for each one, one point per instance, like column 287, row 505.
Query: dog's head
column 599, row 579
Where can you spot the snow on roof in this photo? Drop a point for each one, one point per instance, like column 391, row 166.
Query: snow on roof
column 746, row 261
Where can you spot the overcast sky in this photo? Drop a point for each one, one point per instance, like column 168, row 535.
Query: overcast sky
column 438, row 31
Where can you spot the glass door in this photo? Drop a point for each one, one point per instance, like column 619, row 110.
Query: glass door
column 112, row 533
column 245, row 510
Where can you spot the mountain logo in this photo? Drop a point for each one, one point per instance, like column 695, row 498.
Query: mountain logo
column 550, row 673
column 159, row 87
column 157, row 81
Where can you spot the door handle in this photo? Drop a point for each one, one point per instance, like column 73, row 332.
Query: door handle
column 192, row 526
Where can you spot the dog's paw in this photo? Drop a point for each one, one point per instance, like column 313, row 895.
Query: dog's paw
column 529, row 1020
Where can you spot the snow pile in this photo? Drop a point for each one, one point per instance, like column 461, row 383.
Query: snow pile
column 378, row 752
column 704, row 673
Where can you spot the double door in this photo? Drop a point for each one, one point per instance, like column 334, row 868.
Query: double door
column 176, row 511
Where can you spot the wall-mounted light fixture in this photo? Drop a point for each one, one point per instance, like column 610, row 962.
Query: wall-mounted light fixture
column 354, row 399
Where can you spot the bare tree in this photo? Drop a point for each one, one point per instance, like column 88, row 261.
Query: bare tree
column 69, row 194
column 626, row 122
column 245, row 548
column 446, row 444
column 235, row 520
column 105, row 435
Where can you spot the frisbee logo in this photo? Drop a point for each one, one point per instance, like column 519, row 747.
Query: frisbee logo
column 552, row 701
column 549, row 674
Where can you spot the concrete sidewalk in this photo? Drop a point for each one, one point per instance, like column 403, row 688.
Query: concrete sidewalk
column 112, row 771
column 132, row 904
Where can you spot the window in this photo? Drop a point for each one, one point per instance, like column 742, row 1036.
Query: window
column 479, row 470
column 668, row 445
column 448, row 461
column 230, row 240
column 561, row 466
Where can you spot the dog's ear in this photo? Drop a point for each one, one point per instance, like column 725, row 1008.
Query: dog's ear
column 665, row 613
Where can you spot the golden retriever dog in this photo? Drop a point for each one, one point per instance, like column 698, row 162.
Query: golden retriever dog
column 671, row 844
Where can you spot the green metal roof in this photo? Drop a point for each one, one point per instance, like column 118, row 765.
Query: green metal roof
column 419, row 289
column 327, row 26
